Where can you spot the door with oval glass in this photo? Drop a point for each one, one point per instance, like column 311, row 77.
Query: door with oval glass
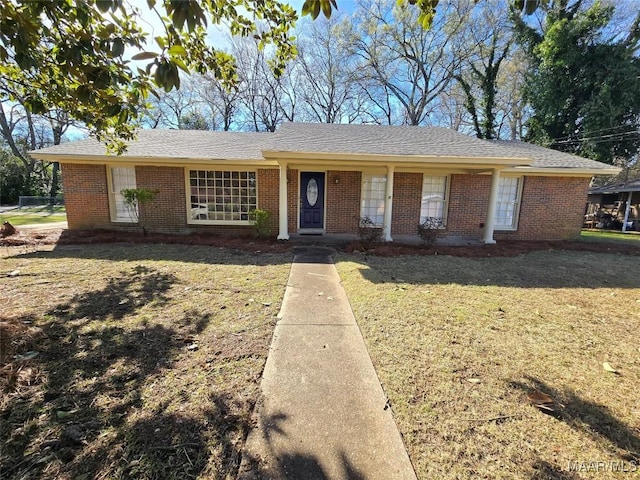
column 311, row 199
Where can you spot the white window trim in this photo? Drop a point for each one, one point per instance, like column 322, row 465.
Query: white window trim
column 187, row 185
column 112, row 193
column 516, row 208
column 362, row 183
column 445, row 203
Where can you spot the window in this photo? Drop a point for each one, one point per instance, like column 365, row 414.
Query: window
column 373, row 193
column 121, row 178
column 434, row 199
column 508, row 201
column 221, row 196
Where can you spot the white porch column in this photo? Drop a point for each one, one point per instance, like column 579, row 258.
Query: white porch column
column 626, row 212
column 388, row 205
column 491, row 210
column 283, row 233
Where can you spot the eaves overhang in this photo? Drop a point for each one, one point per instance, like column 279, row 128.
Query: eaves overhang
column 151, row 160
column 563, row 171
column 339, row 158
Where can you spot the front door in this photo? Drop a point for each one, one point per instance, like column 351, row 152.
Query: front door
column 311, row 200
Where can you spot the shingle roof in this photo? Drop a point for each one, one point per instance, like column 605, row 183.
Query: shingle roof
column 546, row 158
column 384, row 140
column 195, row 144
column 330, row 139
column 630, row 186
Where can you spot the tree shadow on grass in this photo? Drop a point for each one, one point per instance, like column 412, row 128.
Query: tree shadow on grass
column 589, row 418
column 88, row 417
column 121, row 296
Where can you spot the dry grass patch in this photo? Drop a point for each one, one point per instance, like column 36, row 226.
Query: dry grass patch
column 132, row 361
column 459, row 343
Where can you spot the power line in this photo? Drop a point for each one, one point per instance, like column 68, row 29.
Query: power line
column 600, row 130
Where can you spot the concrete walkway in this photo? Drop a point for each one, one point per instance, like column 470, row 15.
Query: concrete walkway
column 323, row 413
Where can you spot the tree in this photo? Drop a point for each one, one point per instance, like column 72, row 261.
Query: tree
column 328, row 89
column 71, row 56
column 583, row 81
column 487, row 39
column 266, row 100
column 412, row 64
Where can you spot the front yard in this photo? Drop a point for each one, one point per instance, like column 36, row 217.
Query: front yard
column 144, row 360
column 134, row 361
column 460, row 343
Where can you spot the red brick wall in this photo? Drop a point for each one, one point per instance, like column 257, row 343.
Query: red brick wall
column 407, row 195
column 292, row 200
column 167, row 212
column 552, row 208
column 343, row 201
column 468, row 202
column 268, row 197
column 86, row 195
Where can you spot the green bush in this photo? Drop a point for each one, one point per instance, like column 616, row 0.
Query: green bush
column 260, row 219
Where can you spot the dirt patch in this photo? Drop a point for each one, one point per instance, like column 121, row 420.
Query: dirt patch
column 25, row 237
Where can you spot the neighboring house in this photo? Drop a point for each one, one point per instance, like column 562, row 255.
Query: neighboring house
column 323, row 178
column 615, row 206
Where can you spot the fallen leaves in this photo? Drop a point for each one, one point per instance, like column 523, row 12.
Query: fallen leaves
column 543, row 401
column 606, row 366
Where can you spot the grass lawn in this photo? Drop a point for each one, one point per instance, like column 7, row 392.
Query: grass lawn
column 609, row 236
column 35, row 215
column 132, row 361
column 460, row 343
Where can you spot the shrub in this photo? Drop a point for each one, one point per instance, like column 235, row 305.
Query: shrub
column 260, row 219
column 133, row 198
column 369, row 233
column 429, row 229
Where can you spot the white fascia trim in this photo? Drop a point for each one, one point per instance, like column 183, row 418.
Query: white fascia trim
column 562, row 172
column 397, row 159
column 157, row 161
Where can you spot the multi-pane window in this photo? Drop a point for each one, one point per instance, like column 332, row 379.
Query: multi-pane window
column 122, row 178
column 508, row 200
column 434, row 199
column 373, row 193
column 218, row 195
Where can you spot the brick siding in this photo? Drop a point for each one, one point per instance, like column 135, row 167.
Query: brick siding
column 292, row 200
column 407, row 196
column 268, row 197
column 167, row 212
column 551, row 207
column 86, row 195
column 468, row 203
column 343, row 201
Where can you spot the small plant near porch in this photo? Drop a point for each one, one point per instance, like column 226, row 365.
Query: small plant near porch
column 369, row 233
column 429, row 229
column 260, row 219
column 133, row 198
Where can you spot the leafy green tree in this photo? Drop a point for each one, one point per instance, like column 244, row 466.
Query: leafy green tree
column 72, row 56
column 583, row 81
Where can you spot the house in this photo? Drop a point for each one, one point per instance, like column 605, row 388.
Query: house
column 616, row 204
column 323, row 178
